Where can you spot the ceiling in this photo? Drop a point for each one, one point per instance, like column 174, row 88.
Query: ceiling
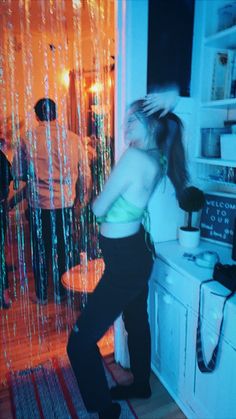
column 58, row 22
column 55, row 15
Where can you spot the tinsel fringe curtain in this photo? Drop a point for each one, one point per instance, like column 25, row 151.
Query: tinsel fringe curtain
column 63, row 50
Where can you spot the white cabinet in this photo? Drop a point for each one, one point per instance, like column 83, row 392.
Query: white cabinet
column 173, row 309
column 215, row 99
column 212, row 395
column 168, row 324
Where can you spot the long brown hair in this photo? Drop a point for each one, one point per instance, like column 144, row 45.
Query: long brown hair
column 168, row 134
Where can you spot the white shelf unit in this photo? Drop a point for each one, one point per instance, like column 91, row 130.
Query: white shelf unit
column 223, row 39
column 216, row 162
column 211, row 113
column 223, row 103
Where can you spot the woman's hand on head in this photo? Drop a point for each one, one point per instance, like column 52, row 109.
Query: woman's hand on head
column 165, row 99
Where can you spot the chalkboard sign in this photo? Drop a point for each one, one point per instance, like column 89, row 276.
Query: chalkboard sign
column 217, row 219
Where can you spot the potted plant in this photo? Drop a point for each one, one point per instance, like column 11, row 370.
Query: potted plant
column 191, row 200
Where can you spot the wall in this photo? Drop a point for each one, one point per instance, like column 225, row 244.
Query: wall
column 39, row 46
column 131, row 60
column 32, row 72
column 131, row 83
column 165, row 214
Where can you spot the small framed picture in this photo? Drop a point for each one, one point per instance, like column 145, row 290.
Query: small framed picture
column 217, row 218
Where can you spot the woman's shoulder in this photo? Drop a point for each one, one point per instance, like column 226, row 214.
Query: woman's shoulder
column 142, row 159
column 136, row 163
column 136, row 154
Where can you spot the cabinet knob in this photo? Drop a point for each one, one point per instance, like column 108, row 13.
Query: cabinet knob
column 168, row 279
column 167, row 299
column 215, row 314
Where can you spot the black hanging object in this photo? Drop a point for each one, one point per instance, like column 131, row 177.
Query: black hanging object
column 234, row 242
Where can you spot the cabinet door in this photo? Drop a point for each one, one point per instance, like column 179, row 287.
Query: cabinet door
column 213, row 395
column 168, row 324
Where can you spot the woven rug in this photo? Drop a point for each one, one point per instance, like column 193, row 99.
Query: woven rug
column 50, row 390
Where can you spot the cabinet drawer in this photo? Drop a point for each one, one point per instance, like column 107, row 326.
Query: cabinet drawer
column 187, row 291
column 212, row 300
column 176, row 283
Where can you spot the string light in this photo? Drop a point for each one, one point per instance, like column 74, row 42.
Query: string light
column 96, row 87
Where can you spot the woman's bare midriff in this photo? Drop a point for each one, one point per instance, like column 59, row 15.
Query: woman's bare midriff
column 118, row 230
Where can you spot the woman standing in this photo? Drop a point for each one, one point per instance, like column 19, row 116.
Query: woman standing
column 154, row 150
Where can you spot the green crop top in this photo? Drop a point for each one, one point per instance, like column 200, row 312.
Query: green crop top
column 122, row 211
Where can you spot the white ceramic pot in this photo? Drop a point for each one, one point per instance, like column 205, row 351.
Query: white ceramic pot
column 189, row 239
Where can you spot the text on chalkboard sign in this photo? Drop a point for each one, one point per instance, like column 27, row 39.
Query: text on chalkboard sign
column 217, row 219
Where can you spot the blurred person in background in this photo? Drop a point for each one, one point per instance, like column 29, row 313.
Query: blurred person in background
column 54, row 164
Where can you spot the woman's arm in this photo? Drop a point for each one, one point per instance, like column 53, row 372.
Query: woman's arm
column 165, row 98
column 117, row 183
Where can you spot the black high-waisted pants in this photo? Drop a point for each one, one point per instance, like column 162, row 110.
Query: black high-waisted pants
column 51, row 240
column 122, row 288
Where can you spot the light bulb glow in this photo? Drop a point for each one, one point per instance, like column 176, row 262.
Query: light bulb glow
column 96, row 87
column 65, row 78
